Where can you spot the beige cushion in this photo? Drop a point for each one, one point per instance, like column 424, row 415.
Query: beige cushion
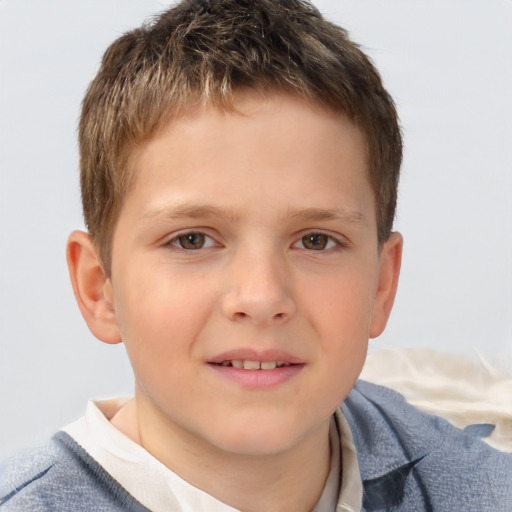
column 467, row 391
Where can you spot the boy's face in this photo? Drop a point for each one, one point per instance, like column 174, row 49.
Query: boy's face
column 249, row 238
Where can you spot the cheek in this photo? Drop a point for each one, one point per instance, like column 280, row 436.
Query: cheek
column 342, row 306
column 160, row 317
column 342, row 313
column 155, row 305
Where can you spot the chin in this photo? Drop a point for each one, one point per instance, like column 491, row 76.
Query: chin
column 257, row 446
column 258, row 436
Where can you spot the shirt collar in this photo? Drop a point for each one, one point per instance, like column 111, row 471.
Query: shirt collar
column 160, row 489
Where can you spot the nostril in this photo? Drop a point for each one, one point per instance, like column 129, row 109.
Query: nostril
column 277, row 316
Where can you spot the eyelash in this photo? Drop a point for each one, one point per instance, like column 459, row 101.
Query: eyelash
column 176, row 241
column 332, row 243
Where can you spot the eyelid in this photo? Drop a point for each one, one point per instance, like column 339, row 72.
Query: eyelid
column 173, row 243
column 340, row 241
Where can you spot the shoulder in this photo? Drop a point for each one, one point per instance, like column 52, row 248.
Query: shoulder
column 60, row 476
column 421, row 462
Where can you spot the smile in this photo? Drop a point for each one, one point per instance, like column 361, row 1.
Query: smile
column 254, row 374
column 254, row 365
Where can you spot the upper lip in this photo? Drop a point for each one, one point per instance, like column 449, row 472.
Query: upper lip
column 248, row 354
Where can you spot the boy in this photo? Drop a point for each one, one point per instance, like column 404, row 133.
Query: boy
column 239, row 164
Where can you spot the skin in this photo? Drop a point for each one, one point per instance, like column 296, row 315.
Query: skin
column 257, row 186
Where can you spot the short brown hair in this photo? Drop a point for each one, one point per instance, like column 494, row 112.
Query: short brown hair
column 202, row 51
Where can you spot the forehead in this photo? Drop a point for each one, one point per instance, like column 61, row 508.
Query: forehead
column 280, row 148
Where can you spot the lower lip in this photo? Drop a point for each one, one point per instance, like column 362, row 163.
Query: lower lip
column 258, row 379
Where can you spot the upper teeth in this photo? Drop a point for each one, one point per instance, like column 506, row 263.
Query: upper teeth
column 254, row 365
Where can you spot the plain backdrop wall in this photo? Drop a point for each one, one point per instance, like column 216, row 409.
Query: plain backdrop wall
column 447, row 63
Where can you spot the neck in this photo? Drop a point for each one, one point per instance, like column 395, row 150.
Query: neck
column 292, row 480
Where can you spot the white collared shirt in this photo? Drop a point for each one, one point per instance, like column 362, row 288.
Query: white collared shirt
column 161, row 490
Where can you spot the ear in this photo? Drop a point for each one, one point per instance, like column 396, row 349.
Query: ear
column 92, row 287
column 389, row 271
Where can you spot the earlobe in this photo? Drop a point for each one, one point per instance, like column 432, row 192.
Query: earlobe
column 389, row 271
column 92, row 287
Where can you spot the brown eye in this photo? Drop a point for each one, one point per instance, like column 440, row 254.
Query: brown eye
column 191, row 241
column 315, row 241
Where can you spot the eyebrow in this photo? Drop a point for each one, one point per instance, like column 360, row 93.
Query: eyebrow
column 190, row 211
column 196, row 211
column 318, row 214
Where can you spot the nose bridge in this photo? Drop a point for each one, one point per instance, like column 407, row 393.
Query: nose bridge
column 259, row 288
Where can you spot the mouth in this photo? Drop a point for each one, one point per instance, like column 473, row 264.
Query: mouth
column 253, row 365
column 257, row 369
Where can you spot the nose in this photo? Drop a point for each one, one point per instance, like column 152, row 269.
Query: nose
column 259, row 291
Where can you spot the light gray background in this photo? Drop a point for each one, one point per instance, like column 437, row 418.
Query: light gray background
column 447, row 63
